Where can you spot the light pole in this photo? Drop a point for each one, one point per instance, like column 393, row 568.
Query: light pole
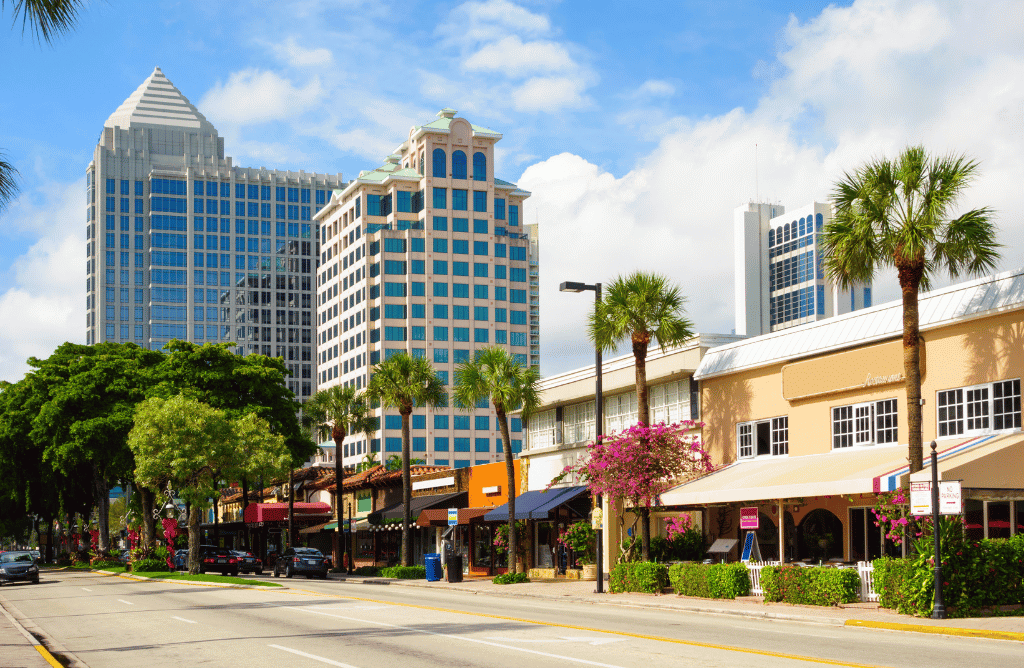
column 569, row 286
column 938, row 606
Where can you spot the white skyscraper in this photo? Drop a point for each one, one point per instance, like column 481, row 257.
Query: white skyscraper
column 427, row 254
column 182, row 244
column 779, row 281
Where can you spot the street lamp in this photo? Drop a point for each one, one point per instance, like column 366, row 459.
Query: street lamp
column 570, row 286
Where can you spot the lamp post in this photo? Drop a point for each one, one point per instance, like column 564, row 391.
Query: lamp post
column 569, row 286
column 938, row 607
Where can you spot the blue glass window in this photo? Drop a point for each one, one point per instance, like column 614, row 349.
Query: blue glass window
column 480, row 248
column 418, row 310
column 440, row 224
column 460, row 334
column 500, row 315
column 440, row 161
column 462, row 445
column 483, row 445
column 460, row 247
column 440, row 245
column 480, row 269
column 393, row 444
column 458, row 164
column 440, row 200
column 440, row 443
column 440, row 333
column 440, row 289
column 459, row 312
column 480, row 313
column 460, row 290
column 441, row 311
column 479, row 166
column 513, row 215
column 440, row 355
column 461, row 422
column 419, row 443
column 481, row 335
column 459, row 269
column 440, row 421
column 480, row 201
column 440, row 268
column 499, row 208
column 480, row 291
column 460, row 200
column 482, row 422
column 392, row 421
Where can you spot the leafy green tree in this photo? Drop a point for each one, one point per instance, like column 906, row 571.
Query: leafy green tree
column 83, row 424
column 193, row 446
column 898, row 213
column 343, row 411
column 47, row 19
column 404, row 382
column 640, row 308
column 495, row 374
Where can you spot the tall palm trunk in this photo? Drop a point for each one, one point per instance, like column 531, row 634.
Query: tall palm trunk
column 338, row 434
column 102, row 491
column 510, row 474
column 910, row 281
column 193, row 539
column 148, row 522
column 641, row 341
column 406, row 489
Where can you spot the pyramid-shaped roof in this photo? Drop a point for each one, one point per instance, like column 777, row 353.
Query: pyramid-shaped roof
column 158, row 102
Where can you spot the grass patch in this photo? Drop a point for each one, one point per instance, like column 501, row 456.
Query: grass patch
column 113, row 569
column 218, row 579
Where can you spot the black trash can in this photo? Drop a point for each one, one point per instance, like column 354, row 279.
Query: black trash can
column 454, row 564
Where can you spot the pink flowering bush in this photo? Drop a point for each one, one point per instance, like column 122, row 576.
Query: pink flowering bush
column 892, row 514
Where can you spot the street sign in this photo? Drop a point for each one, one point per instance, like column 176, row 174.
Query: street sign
column 453, row 516
column 950, row 498
column 749, row 518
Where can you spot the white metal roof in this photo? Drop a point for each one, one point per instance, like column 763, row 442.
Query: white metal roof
column 983, row 296
column 158, row 102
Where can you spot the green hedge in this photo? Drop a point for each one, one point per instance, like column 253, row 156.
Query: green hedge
column 148, row 565
column 976, row 575
column 642, row 576
column 710, row 580
column 368, row 571
column 100, row 563
column 404, row 572
column 510, row 578
column 810, row 586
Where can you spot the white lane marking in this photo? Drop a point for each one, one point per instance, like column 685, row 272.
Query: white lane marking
column 590, row 641
column 182, row 619
column 452, row 637
column 84, row 589
column 313, row 656
column 125, row 602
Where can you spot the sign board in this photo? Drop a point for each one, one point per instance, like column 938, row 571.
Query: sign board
column 453, row 516
column 749, row 518
column 751, row 549
column 722, row 545
column 950, row 498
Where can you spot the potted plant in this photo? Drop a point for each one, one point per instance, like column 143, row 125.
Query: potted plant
column 581, row 538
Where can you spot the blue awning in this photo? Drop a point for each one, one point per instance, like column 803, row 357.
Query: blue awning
column 536, row 504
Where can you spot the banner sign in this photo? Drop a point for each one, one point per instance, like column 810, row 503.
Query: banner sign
column 453, row 516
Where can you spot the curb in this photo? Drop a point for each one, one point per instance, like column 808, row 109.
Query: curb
column 939, row 630
column 32, row 640
column 222, row 585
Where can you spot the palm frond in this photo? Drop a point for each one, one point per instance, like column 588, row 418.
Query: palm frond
column 8, row 183
column 46, row 19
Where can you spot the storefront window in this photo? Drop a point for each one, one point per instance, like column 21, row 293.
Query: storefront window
column 1019, row 513
column 998, row 519
column 974, row 517
column 481, row 546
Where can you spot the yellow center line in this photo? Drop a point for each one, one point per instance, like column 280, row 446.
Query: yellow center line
column 49, row 657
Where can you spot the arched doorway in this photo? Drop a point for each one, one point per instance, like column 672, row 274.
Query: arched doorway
column 820, row 536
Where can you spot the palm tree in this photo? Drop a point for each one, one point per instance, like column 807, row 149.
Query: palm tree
column 640, row 308
column 897, row 214
column 404, row 382
column 47, row 19
column 345, row 412
column 510, row 385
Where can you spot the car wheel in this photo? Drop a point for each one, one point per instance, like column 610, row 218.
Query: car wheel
column 288, row 572
column 276, row 574
column 234, row 573
column 259, row 571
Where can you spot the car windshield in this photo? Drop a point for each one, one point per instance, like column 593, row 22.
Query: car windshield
column 309, row 552
column 11, row 557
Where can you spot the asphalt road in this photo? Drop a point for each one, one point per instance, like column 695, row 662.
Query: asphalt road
column 117, row 622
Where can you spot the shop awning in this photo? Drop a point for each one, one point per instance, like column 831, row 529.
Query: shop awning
column 316, row 528
column 275, row 512
column 438, row 517
column 416, row 506
column 535, row 505
column 856, row 471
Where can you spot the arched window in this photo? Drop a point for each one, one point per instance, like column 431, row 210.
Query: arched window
column 439, row 163
column 479, row 166
column 785, row 232
column 771, row 238
column 817, row 222
column 458, row 165
column 803, row 229
column 422, row 167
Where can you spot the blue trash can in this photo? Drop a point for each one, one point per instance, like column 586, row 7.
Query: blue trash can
column 432, row 562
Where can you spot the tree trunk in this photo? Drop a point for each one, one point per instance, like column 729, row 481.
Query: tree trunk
column 101, row 490
column 291, row 508
column 406, row 489
column 216, row 522
column 148, row 522
column 193, row 539
column 510, row 473
column 645, row 533
column 910, row 281
column 245, row 504
column 48, row 556
column 338, row 434
column 643, row 408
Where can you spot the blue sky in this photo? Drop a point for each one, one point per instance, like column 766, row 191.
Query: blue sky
column 633, row 124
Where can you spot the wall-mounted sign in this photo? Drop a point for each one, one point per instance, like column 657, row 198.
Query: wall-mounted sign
column 951, row 500
column 749, row 518
column 453, row 516
column 496, row 489
column 858, row 369
column 432, row 484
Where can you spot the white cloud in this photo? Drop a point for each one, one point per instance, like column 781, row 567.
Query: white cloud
column 514, row 58
column 549, row 94
column 298, row 56
column 655, row 88
column 474, row 22
column 45, row 306
column 854, row 83
column 254, row 96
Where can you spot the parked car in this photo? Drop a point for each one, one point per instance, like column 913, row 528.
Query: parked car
column 18, row 566
column 37, row 556
column 301, row 561
column 221, row 559
column 248, row 562
column 181, row 560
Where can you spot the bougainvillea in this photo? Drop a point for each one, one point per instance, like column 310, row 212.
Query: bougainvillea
column 892, row 514
column 677, row 526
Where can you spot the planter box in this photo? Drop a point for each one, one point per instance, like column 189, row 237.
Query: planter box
column 589, row 572
column 541, row 574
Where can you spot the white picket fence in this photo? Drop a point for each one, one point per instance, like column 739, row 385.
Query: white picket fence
column 865, row 569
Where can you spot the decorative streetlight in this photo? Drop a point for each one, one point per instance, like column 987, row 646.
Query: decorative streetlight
column 938, row 606
column 570, row 286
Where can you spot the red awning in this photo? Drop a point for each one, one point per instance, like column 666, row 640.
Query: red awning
column 276, row 512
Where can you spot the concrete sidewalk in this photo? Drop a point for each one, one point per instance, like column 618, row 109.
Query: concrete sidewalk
column 17, row 646
column 868, row 615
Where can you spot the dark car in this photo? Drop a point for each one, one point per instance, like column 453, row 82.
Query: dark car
column 301, row 561
column 218, row 559
column 248, row 562
column 18, row 567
